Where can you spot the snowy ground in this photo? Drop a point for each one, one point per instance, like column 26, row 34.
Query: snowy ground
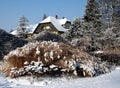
column 111, row 80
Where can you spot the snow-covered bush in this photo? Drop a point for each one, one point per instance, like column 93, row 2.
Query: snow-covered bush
column 48, row 36
column 53, row 58
column 79, row 36
column 8, row 43
column 47, row 52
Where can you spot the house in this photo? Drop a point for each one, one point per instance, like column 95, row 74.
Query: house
column 31, row 29
column 54, row 25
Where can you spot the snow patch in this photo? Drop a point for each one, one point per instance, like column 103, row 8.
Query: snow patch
column 111, row 80
column 51, row 55
column 37, row 51
column 46, row 54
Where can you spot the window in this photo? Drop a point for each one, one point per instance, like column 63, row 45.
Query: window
column 55, row 32
column 46, row 27
column 67, row 25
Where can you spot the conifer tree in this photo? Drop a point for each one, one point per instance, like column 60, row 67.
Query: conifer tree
column 22, row 26
column 109, row 10
column 92, row 16
column 75, row 31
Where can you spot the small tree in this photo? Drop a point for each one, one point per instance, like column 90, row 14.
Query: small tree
column 22, row 26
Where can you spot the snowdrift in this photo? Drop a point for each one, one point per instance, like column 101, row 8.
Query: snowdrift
column 52, row 58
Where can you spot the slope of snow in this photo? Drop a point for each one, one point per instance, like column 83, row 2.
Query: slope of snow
column 111, row 80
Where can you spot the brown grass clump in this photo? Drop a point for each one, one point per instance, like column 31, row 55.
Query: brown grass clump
column 48, row 53
column 114, row 50
column 53, row 53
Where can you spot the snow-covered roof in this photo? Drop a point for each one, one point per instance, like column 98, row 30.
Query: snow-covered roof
column 63, row 21
column 31, row 28
column 56, row 22
column 14, row 32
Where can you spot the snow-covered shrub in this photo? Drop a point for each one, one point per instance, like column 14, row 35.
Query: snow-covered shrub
column 48, row 36
column 3, row 67
column 47, row 52
column 8, row 43
column 111, row 56
column 53, row 58
column 85, row 43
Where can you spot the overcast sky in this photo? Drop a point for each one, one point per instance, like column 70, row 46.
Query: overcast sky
column 33, row 10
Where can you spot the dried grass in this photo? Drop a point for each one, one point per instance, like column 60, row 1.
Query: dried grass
column 114, row 50
column 62, row 53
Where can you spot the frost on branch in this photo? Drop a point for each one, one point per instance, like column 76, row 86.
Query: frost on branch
column 53, row 58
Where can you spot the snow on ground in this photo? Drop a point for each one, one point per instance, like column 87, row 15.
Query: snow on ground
column 111, row 80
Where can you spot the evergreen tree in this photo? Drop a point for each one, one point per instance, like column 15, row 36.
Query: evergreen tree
column 109, row 9
column 22, row 26
column 75, row 30
column 115, row 7
column 92, row 16
column 115, row 23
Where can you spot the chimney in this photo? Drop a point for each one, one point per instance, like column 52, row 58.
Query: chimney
column 63, row 17
column 56, row 16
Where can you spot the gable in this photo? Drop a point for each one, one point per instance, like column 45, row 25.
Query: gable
column 45, row 26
